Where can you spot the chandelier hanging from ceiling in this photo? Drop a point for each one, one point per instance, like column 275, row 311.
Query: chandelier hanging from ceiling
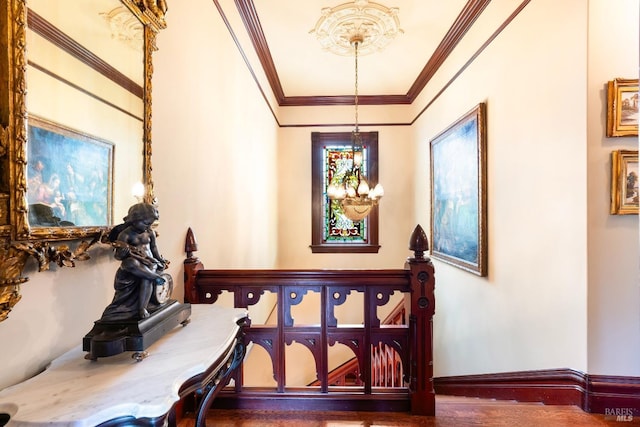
column 352, row 188
column 359, row 27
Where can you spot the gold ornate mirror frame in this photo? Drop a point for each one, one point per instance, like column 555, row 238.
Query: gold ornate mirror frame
column 18, row 240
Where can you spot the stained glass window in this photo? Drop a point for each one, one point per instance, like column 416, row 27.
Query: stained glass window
column 332, row 157
column 338, row 161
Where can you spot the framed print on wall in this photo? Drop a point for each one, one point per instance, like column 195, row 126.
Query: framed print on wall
column 622, row 107
column 458, row 193
column 624, row 182
column 69, row 177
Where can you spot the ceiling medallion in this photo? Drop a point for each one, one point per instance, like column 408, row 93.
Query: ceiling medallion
column 377, row 24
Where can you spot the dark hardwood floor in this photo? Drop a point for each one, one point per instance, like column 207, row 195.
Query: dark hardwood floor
column 450, row 412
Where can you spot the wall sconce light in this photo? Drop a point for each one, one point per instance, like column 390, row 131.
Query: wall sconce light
column 137, row 191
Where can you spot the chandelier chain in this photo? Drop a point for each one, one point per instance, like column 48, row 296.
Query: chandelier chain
column 356, row 91
column 360, row 23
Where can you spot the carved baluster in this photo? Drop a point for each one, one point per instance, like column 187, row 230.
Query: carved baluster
column 370, row 317
column 280, row 373
column 191, row 267
column 421, row 325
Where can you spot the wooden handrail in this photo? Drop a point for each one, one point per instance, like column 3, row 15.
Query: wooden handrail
column 412, row 342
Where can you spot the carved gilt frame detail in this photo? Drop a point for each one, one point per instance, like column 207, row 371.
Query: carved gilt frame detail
column 19, row 241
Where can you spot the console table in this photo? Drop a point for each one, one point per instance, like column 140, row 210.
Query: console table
column 118, row 390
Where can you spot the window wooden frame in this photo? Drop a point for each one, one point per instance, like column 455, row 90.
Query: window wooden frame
column 318, row 243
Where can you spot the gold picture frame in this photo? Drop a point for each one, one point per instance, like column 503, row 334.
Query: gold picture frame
column 622, row 107
column 50, row 245
column 624, row 182
column 459, row 193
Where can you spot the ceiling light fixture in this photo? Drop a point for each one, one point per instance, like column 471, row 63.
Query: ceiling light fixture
column 359, row 27
column 351, row 188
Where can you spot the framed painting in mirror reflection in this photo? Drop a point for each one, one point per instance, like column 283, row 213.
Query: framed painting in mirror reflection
column 69, row 177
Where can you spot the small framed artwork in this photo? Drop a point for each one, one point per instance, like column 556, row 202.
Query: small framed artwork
column 622, row 107
column 458, row 193
column 69, row 177
column 624, row 182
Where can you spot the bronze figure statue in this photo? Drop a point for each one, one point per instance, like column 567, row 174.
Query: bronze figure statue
column 141, row 265
column 141, row 311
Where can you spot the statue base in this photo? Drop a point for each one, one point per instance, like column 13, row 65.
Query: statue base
column 111, row 338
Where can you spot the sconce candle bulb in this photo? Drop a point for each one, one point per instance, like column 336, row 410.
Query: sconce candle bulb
column 138, row 191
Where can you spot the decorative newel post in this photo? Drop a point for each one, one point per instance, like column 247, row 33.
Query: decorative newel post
column 421, row 325
column 191, row 266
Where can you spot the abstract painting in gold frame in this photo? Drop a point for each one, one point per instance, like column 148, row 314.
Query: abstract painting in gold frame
column 458, row 193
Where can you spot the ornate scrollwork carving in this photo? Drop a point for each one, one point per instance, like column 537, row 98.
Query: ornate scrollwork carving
column 4, row 140
column 147, row 168
column 13, row 258
column 62, row 255
column 19, row 241
column 150, row 12
column 17, row 22
column 157, row 7
column 12, row 262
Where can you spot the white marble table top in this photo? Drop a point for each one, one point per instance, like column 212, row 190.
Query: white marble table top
column 74, row 391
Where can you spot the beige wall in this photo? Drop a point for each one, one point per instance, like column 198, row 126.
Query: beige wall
column 215, row 158
column 613, row 293
column 562, row 288
column 530, row 311
column 57, row 309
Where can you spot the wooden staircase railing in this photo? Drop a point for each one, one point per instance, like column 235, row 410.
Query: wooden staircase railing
column 412, row 343
column 386, row 365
